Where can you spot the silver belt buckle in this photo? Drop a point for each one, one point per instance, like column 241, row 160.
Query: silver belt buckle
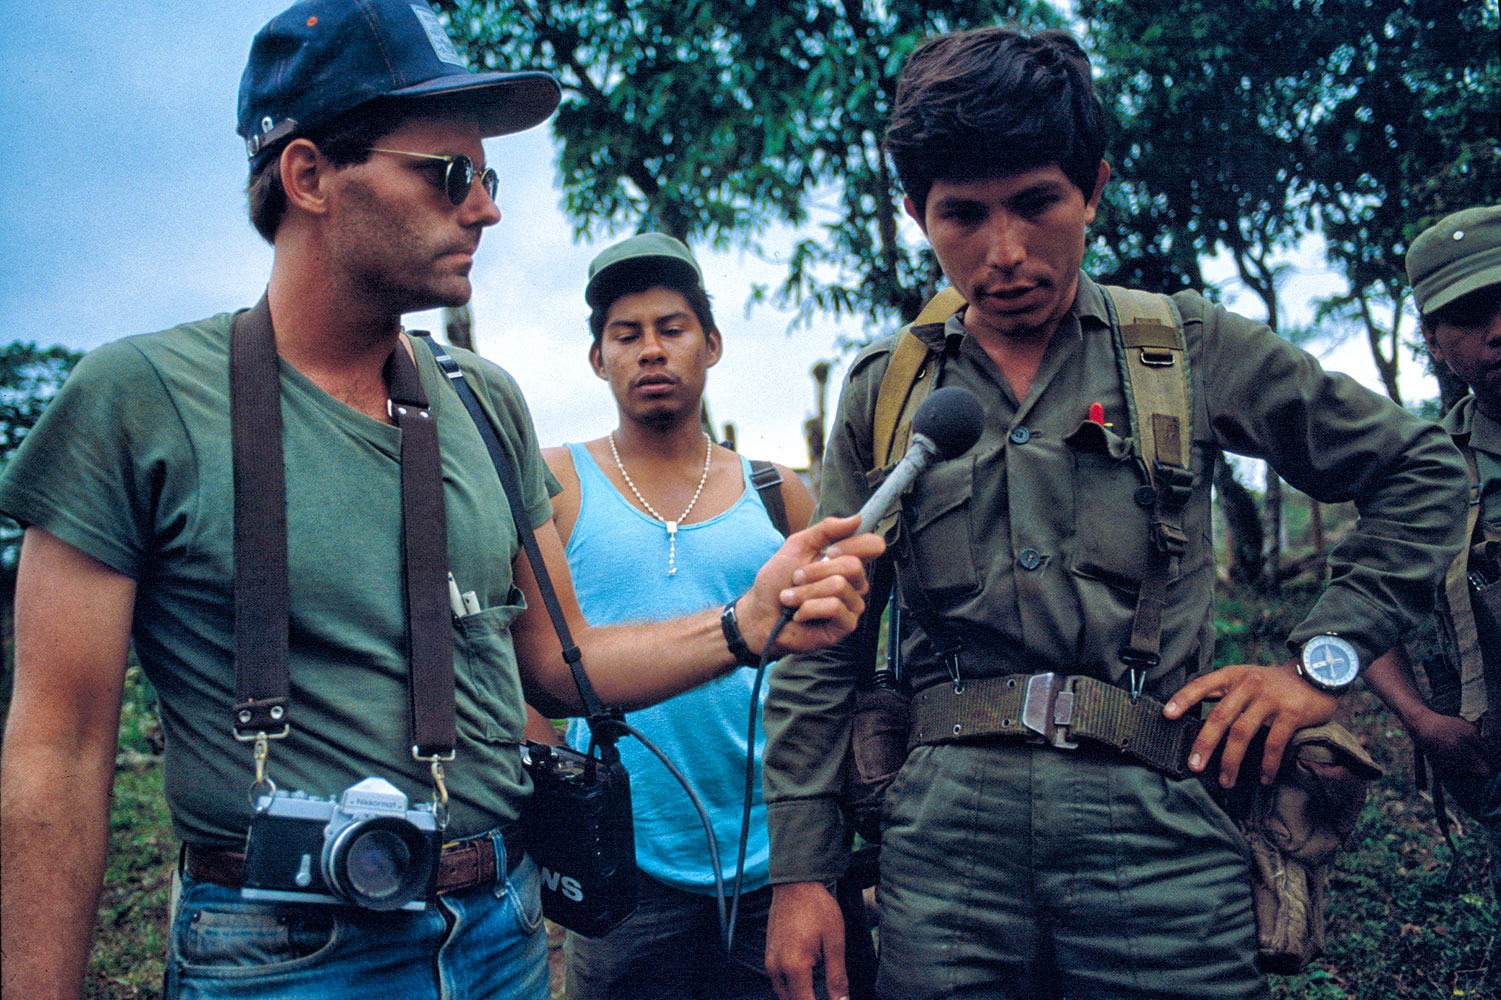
column 1048, row 709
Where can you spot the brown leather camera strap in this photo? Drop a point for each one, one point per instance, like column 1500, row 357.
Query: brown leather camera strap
column 262, row 681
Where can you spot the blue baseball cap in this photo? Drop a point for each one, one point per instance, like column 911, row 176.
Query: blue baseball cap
column 321, row 58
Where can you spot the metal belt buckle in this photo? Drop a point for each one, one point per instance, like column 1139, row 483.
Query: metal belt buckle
column 1049, row 708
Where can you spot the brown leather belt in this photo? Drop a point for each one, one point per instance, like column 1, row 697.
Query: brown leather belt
column 462, row 865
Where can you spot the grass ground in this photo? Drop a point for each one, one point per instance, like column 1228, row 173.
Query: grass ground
column 1408, row 917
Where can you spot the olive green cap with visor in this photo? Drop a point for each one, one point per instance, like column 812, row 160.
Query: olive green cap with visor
column 647, row 257
column 1459, row 255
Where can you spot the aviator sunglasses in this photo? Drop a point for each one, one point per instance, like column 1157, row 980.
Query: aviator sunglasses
column 458, row 173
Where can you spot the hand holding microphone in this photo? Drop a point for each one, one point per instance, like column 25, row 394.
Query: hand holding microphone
column 945, row 426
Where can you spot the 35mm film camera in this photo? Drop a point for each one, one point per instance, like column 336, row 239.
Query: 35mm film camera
column 364, row 847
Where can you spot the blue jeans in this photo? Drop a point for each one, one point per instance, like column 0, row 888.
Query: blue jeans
column 484, row 944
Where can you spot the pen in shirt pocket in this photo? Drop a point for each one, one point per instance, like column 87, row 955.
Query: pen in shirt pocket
column 455, row 599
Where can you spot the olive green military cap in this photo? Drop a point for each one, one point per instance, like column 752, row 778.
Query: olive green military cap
column 647, row 256
column 1459, row 255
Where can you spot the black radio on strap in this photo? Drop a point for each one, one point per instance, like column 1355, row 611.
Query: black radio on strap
column 262, row 682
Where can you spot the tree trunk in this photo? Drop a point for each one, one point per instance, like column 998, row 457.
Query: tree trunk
column 1242, row 524
column 814, row 427
column 1316, row 530
column 1271, row 569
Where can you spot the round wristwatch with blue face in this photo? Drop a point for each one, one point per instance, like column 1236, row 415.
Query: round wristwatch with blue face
column 1329, row 663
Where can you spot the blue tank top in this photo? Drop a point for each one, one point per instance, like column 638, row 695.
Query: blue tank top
column 618, row 558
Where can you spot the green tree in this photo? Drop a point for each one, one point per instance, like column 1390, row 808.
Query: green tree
column 29, row 377
column 1242, row 128
column 1209, row 102
column 714, row 120
column 1407, row 135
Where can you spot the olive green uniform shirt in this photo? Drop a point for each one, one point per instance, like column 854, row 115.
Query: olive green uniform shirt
column 1032, row 545
column 1469, row 427
column 1482, row 435
column 131, row 464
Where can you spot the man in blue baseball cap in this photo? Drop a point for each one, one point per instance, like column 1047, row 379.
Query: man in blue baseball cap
column 342, row 759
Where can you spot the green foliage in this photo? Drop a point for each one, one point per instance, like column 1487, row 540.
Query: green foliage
column 130, row 940
column 713, row 120
column 1251, row 629
column 1207, row 101
column 1407, row 130
column 1417, row 934
column 140, row 725
column 1241, row 127
column 1407, row 916
column 29, row 377
column 1408, row 135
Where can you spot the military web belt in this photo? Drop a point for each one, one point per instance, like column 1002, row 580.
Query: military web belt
column 1061, row 711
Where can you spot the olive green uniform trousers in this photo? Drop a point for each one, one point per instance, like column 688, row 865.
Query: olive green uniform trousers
column 1011, row 870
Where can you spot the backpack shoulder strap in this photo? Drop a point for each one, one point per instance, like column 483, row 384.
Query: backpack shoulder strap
column 768, row 482
column 1153, row 358
column 1154, row 372
column 906, row 382
column 1463, row 629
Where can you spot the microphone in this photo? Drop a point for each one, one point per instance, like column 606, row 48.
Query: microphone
column 946, row 425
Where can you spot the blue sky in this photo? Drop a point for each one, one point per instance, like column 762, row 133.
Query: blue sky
column 122, row 211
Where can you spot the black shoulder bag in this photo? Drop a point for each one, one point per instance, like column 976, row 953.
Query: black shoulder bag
column 577, row 823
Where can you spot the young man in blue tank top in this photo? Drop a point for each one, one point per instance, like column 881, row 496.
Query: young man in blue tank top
column 656, row 517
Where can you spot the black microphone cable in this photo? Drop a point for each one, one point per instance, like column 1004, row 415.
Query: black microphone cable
column 728, row 903
column 750, row 773
column 725, row 926
column 945, row 425
column 949, row 421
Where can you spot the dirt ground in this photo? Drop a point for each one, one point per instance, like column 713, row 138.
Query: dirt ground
column 555, row 958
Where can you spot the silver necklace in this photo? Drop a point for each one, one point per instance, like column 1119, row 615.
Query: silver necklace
column 672, row 526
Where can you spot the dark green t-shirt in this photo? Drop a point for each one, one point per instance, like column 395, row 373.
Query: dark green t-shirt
column 131, row 464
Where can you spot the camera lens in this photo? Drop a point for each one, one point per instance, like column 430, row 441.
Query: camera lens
column 377, row 860
column 380, row 864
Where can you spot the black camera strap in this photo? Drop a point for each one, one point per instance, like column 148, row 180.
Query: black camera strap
column 262, row 681
column 603, row 722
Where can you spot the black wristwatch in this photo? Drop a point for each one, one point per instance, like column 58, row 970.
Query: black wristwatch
column 1329, row 663
column 739, row 649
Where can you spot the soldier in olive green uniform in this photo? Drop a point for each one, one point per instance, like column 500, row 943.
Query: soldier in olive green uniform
column 1455, row 270
column 1015, row 863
